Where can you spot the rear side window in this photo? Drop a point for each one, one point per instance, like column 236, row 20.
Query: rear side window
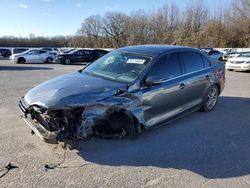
column 167, row 67
column 192, row 61
column 87, row 52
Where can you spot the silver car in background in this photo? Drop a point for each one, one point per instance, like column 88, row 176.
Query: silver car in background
column 33, row 56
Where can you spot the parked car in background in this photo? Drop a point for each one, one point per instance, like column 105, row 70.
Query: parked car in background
column 55, row 51
column 228, row 56
column 206, row 50
column 33, row 56
column 66, row 51
column 128, row 90
column 81, row 55
column 239, row 63
column 215, row 54
column 5, row 52
column 18, row 50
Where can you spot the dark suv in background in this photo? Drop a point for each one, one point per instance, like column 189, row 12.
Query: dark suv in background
column 81, row 55
column 5, row 52
column 19, row 50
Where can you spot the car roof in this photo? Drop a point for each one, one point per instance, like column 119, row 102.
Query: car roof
column 154, row 50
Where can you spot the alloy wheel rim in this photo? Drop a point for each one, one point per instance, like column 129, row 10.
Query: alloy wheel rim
column 212, row 98
column 67, row 61
column 49, row 60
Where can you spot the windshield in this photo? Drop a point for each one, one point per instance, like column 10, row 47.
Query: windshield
column 119, row 66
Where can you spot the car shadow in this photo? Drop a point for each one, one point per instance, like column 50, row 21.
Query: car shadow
column 19, row 68
column 213, row 145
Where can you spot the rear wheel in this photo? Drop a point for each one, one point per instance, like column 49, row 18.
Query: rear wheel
column 67, row 61
column 49, row 60
column 21, row 60
column 211, row 99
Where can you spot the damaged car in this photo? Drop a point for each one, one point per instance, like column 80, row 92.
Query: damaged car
column 124, row 92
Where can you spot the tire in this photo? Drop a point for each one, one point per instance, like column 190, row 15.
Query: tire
column 211, row 99
column 49, row 60
column 21, row 60
column 123, row 121
column 230, row 69
column 67, row 61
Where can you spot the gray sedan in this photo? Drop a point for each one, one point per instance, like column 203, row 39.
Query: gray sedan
column 124, row 92
column 33, row 56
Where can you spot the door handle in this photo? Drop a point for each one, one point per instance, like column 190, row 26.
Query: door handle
column 182, row 86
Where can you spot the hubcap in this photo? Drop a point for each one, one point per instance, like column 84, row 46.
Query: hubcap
column 212, row 98
column 49, row 60
column 67, row 61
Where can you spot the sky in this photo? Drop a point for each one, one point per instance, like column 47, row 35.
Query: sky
column 64, row 17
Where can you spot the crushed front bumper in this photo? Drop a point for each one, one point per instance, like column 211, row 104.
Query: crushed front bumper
column 45, row 135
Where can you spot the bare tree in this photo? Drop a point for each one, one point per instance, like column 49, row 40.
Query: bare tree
column 115, row 27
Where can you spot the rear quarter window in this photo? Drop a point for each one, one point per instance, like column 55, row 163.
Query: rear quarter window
column 192, row 61
column 206, row 62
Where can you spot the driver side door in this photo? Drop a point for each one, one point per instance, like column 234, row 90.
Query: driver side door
column 33, row 56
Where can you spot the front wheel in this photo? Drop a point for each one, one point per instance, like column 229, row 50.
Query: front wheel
column 210, row 99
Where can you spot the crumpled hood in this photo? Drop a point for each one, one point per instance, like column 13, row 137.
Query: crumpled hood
column 72, row 89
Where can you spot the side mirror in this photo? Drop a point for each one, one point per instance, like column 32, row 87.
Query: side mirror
column 152, row 80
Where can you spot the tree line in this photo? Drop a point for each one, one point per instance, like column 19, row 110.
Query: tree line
column 196, row 26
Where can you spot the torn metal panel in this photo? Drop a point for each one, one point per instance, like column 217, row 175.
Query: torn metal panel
column 97, row 112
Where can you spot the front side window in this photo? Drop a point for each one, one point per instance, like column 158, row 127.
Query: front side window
column 120, row 66
column 77, row 53
column 167, row 67
column 42, row 51
column 192, row 61
column 34, row 52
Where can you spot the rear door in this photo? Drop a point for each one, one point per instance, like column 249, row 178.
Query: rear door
column 197, row 74
column 76, row 56
column 43, row 54
column 87, row 55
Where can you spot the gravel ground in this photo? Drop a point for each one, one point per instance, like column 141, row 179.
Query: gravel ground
column 199, row 150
